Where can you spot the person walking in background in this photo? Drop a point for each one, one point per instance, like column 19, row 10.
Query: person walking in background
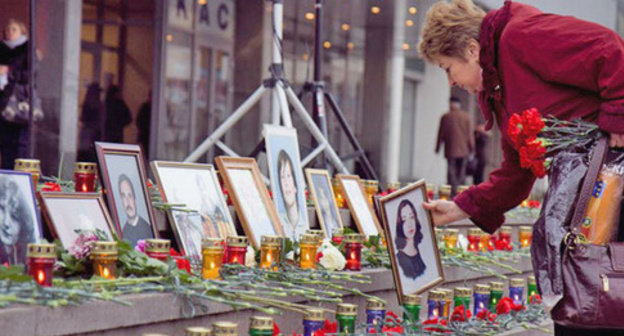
column 91, row 118
column 117, row 115
column 13, row 71
column 458, row 141
column 143, row 121
column 482, row 138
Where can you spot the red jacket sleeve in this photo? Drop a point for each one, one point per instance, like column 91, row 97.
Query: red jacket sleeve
column 506, row 187
column 566, row 50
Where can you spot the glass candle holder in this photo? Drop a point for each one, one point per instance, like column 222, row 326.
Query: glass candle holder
column 531, row 288
column 197, row 331
column 270, row 248
column 393, row 186
column 307, row 250
column 104, row 256
column 371, row 187
column 445, row 302
column 212, row 259
column 85, row 175
column 32, row 166
column 462, row 297
column 449, row 236
column 338, row 235
column 158, row 249
column 319, row 234
column 313, row 320
column 474, row 238
column 375, row 313
column 213, row 241
column 430, row 191
column 462, row 188
column 346, row 315
column 444, row 192
column 224, row 328
column 496, row 293
column 485, row 242
column 40, row 260
column 481, row 298
column 261, row 326
column 236, row 249
column 525, row 236
column 433, row 304
column 411, row 306
column 353, row 251
column 516, row 289
column 504, row 233
column 337, row 188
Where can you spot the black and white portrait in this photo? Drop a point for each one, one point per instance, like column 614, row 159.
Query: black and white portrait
column 324, row 202
column 19, row 220
column 411, row 240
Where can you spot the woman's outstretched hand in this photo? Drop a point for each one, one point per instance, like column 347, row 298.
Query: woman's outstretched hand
column 444, row 212
column 616, row 140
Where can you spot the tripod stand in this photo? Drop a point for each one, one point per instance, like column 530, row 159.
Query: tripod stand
column 281, row 95
column 319, row 95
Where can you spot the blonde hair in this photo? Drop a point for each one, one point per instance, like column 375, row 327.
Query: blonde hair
column 20, row 24
column 449, row 27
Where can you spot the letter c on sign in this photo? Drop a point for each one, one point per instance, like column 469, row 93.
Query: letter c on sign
column 222, row 16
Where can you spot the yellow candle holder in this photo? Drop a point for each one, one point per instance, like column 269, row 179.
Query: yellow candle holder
column 319, row 234
column 224, row 328
column 212, row 259
column 340, row 201
column 308, row 244
column 444, row 192
column 393, row 186
column 197, row 331
column 462, row 188
column 32, row 166
column 270, row 248
column 371, row 187
column 450, row 237
column 525, row 236
column 104, row 256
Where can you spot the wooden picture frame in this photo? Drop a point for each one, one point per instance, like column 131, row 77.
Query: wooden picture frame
column 67, row 212
column 253, row 205
column 21, row 220
column 287, row 179
column 197, row 187
column 124, row 179
column 322, row 193
column 361, row 210
column 413, row 272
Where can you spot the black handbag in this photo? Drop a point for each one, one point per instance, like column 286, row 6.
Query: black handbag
column 18, row 107
column 593, row 275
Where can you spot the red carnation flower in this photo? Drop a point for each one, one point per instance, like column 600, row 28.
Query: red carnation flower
column 461, row 314
column 51, row 186
column 486, row 315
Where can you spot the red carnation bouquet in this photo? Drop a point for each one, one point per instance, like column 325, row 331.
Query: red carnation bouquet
column 537, row 138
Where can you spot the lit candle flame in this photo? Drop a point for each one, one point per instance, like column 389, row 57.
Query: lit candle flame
column 268, row 258
column 84, row 187
column 105, row 272
column 40, row 277
column 353, row 255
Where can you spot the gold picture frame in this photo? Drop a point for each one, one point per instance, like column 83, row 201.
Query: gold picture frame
column 85, row 211
column 250, row 197
column 413, row 273
column 361, row 210
column 197, row 187
column 315, row 178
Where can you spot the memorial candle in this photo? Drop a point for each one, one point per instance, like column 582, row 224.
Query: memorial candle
column 474, row 238
column 411, row 306
column 444, row 192
column 224, row 328
column 197, row 331
column 236, row 249
column 353, row 251
column 212, row 259
column 346, row 315
column 312, row 321
column 261, row 326
column 531, row 288
column 157, row 249
column 516, row 289
column 375, row 313
column 450, row 237
column 270, row 247
column 433, row 304
column 496, row 293
column 525, row 236
column 40, row 262
column 32, row 166
column 462, row 297
column 481, row 298
column 308, row 245
column 85, row 174
column 104, row 256
column 340, row 201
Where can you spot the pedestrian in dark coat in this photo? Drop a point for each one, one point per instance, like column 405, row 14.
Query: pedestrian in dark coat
column 117, row 115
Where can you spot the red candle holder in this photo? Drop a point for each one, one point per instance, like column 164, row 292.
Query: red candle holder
column 236, row 249
column 157, row 249
column 430, row 191
column 338, row 235
column 353, row 252
column 504, row 234
column 41, row 259
column 474, row 239
column 85, row 175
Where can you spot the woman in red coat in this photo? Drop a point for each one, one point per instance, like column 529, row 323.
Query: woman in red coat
column 516, row 58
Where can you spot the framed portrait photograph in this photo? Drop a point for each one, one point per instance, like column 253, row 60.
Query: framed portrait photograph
column 69, row 213
column 197, row 187
column 411, row 240
column 287, row 182
column 124, row 179
column 324, row 201
column 251, row 199
column 361, row 210
column 20, row 223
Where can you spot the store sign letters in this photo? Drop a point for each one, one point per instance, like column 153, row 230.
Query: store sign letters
column 216, row 17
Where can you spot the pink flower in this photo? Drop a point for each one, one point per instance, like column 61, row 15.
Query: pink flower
column 83, row 244
column 140, row 246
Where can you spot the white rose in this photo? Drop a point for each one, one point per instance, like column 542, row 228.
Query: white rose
column 332, row 258
column 250, row 257
column 290, row 255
